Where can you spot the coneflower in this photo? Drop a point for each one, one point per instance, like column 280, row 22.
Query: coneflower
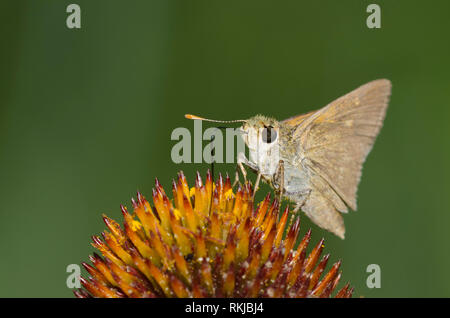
column 207, row 242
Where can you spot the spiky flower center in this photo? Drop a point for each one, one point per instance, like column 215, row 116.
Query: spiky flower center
column 207, row 242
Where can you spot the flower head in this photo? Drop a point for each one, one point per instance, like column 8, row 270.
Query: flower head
column 207, row 241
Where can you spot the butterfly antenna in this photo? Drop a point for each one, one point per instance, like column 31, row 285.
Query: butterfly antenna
column 189, row 116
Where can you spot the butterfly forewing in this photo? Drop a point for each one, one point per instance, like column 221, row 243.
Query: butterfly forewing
column 334, row 143
column 337, row 138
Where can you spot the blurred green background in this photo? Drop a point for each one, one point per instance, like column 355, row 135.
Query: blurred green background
column 86, row 117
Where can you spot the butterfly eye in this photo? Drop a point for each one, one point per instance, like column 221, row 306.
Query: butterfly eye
column 269, row 135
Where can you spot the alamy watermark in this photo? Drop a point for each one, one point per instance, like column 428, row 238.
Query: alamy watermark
column 191, row 150
column 227, row 145
column 73, row 280
column 374, row 279
column 373, row 21
column 73, row 20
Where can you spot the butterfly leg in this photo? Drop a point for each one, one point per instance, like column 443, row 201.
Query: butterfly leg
column 243, row 171
column 299, row 204
column 279, row 176
column 236, row 178
column 258, row 179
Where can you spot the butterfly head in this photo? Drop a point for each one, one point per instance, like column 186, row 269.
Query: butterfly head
column 262, row 135
column 260, row 132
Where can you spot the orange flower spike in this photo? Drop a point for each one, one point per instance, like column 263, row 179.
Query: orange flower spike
column 254, row 288
column 281, row 226
column 178, row 198
column 201, row 201
column 80, row 293
column 255, row 257
column 206, row 276
column 260, row 212
column 104, row 249
column 152, row 220
column 125, row 280
column 181, row 265
column 159, row 188
column 230, row 249
column 246, row 210
column 162, row 249
column 291, row 237
column 166, row 235
column 227, row 186
column 237, row 209
column 318, row 272
column 168, row 205
column 270, row 220
column 182, row 182
column 215, row 226
column 126, row 215
column 121, row 273
column 329, row 277
column 141, row 264
column 142, row 246
column 342, row 292
column 200, row 250
column 209, row 188
column 94, row 272
column 243, row 241
column 146, row 217
column 105, row 291
column 144, row 203
column 117, row 248
column 303, row 291
column 246, row 202
column 215, row 204
column 277, row 263
column 219, row 187
column 349, row 292
column 329, row 288
column 336, row 281
column 229, row 281
column 161, row 278
column 91, row 287
column 269, row 217
column 304, row 243
column 162, row 209
column 198, row 291
column 102, row 268
column 314, row 256
column 179, row 288
column 268, row 244
column 115, row 229
column 229, row 195
column 191, row 218
column 182, row 240
column 297, row 269
column 241, row 223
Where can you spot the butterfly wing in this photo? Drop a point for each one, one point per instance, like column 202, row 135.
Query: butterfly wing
column 297, row 120
column 335, row 142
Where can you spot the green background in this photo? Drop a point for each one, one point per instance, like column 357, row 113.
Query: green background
column 86, row 117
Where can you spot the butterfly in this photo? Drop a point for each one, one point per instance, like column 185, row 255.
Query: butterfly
column 315, row 159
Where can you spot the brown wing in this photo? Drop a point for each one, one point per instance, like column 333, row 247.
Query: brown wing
column 297, row 120
column 337, row 138
column 322, row 212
